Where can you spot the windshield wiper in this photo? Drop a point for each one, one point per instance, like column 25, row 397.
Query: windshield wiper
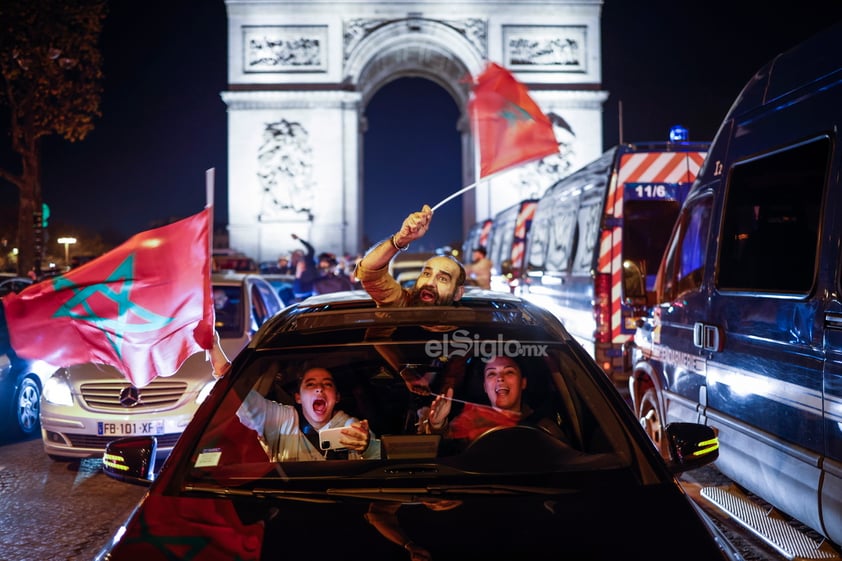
column 411, row 494
column 309, row 496
column 391, row 494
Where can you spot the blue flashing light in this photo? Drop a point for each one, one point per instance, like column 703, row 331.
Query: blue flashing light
column 679, row 134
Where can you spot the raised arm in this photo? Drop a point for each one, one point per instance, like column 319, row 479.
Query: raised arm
column 414, row 227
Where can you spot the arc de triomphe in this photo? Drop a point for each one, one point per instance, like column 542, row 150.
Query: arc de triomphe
column 300, row 74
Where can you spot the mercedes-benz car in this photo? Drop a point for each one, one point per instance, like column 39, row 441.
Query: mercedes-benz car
column 85, row 406
column 483, row 482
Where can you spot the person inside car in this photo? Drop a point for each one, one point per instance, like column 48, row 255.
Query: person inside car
column 291, row 432
column 504, row 383
column 224, row 311
column 442, row 279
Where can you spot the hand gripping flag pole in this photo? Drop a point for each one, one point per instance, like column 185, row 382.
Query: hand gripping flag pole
column 509, row 126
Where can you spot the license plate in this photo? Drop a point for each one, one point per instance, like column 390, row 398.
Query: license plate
column 130, row 428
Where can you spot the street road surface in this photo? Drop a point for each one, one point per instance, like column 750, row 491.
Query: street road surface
column 57, row 511
column 67, row 511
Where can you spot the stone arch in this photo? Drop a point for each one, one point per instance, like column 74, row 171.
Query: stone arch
column 427, row 49
column 301, row 73
column 414, row 47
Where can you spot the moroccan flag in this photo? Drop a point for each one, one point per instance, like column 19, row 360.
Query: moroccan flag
column 476, row 419
column 510, row 126
column 194, row 528
column 143, row 307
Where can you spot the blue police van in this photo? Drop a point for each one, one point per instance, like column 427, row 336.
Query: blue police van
column 746, row 333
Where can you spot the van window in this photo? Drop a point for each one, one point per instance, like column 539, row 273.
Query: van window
column 684, row 260
column 590, row 214
column 502, row 236
column 563, row 234
column 647, row 224
column 771, row 220
column 539, row 239
column 552, row 235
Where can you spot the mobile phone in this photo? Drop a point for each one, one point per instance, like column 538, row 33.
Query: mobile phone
column 329, row 438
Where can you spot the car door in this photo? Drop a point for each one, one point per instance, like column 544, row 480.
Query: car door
column 682, row 299
column 264, row 302
column 831, row 270
column 831, row 493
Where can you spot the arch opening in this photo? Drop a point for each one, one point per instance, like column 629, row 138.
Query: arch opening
column 411, row 150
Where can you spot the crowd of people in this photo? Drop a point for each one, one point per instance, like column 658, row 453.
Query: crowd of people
column 314, row 274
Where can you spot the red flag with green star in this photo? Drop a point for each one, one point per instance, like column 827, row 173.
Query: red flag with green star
column 143, row 307
column 510, row 126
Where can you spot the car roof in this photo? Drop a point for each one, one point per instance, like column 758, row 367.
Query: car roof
column 231, row 277
column 355, row 314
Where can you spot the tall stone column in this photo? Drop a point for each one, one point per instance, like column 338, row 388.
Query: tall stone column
column 293, row 169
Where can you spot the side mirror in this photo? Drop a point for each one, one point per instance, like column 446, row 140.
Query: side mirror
column 691, row 446
column 634, row 284
column 131, row 459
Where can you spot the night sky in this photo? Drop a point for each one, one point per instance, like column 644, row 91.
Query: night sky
column 164, row 122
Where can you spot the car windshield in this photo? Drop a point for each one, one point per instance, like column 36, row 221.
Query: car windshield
column 387, row 368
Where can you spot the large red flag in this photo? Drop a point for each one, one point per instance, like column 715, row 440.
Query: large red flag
column 143, row 307
column 510, row 126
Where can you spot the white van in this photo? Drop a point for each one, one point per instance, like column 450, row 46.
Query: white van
column 746, row 333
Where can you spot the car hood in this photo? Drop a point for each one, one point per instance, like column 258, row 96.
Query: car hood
column 551, row 524
column 196, row 369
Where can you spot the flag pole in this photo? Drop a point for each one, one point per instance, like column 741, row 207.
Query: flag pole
column 473, row 185
column 478, row 163
column 210, row 175
column 456, row 194
column 209, row 188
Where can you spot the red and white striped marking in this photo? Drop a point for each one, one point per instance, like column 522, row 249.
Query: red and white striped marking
column 524, row 217
column 643, row 167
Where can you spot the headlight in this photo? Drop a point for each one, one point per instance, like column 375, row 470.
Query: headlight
column 57, row 389
column 42, row 368
column 204, row 392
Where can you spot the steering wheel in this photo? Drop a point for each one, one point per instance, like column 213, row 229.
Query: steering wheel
column 518, row 448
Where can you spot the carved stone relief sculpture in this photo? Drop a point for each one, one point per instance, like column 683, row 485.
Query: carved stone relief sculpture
column 285, row 171
column 283, row 48
column 559, row 48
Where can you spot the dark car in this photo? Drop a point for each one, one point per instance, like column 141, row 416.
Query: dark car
column 21, row 384
column 9, row 284
column 583, row 481
column 21, row 381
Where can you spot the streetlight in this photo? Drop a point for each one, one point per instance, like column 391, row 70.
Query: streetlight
column 67, row 242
